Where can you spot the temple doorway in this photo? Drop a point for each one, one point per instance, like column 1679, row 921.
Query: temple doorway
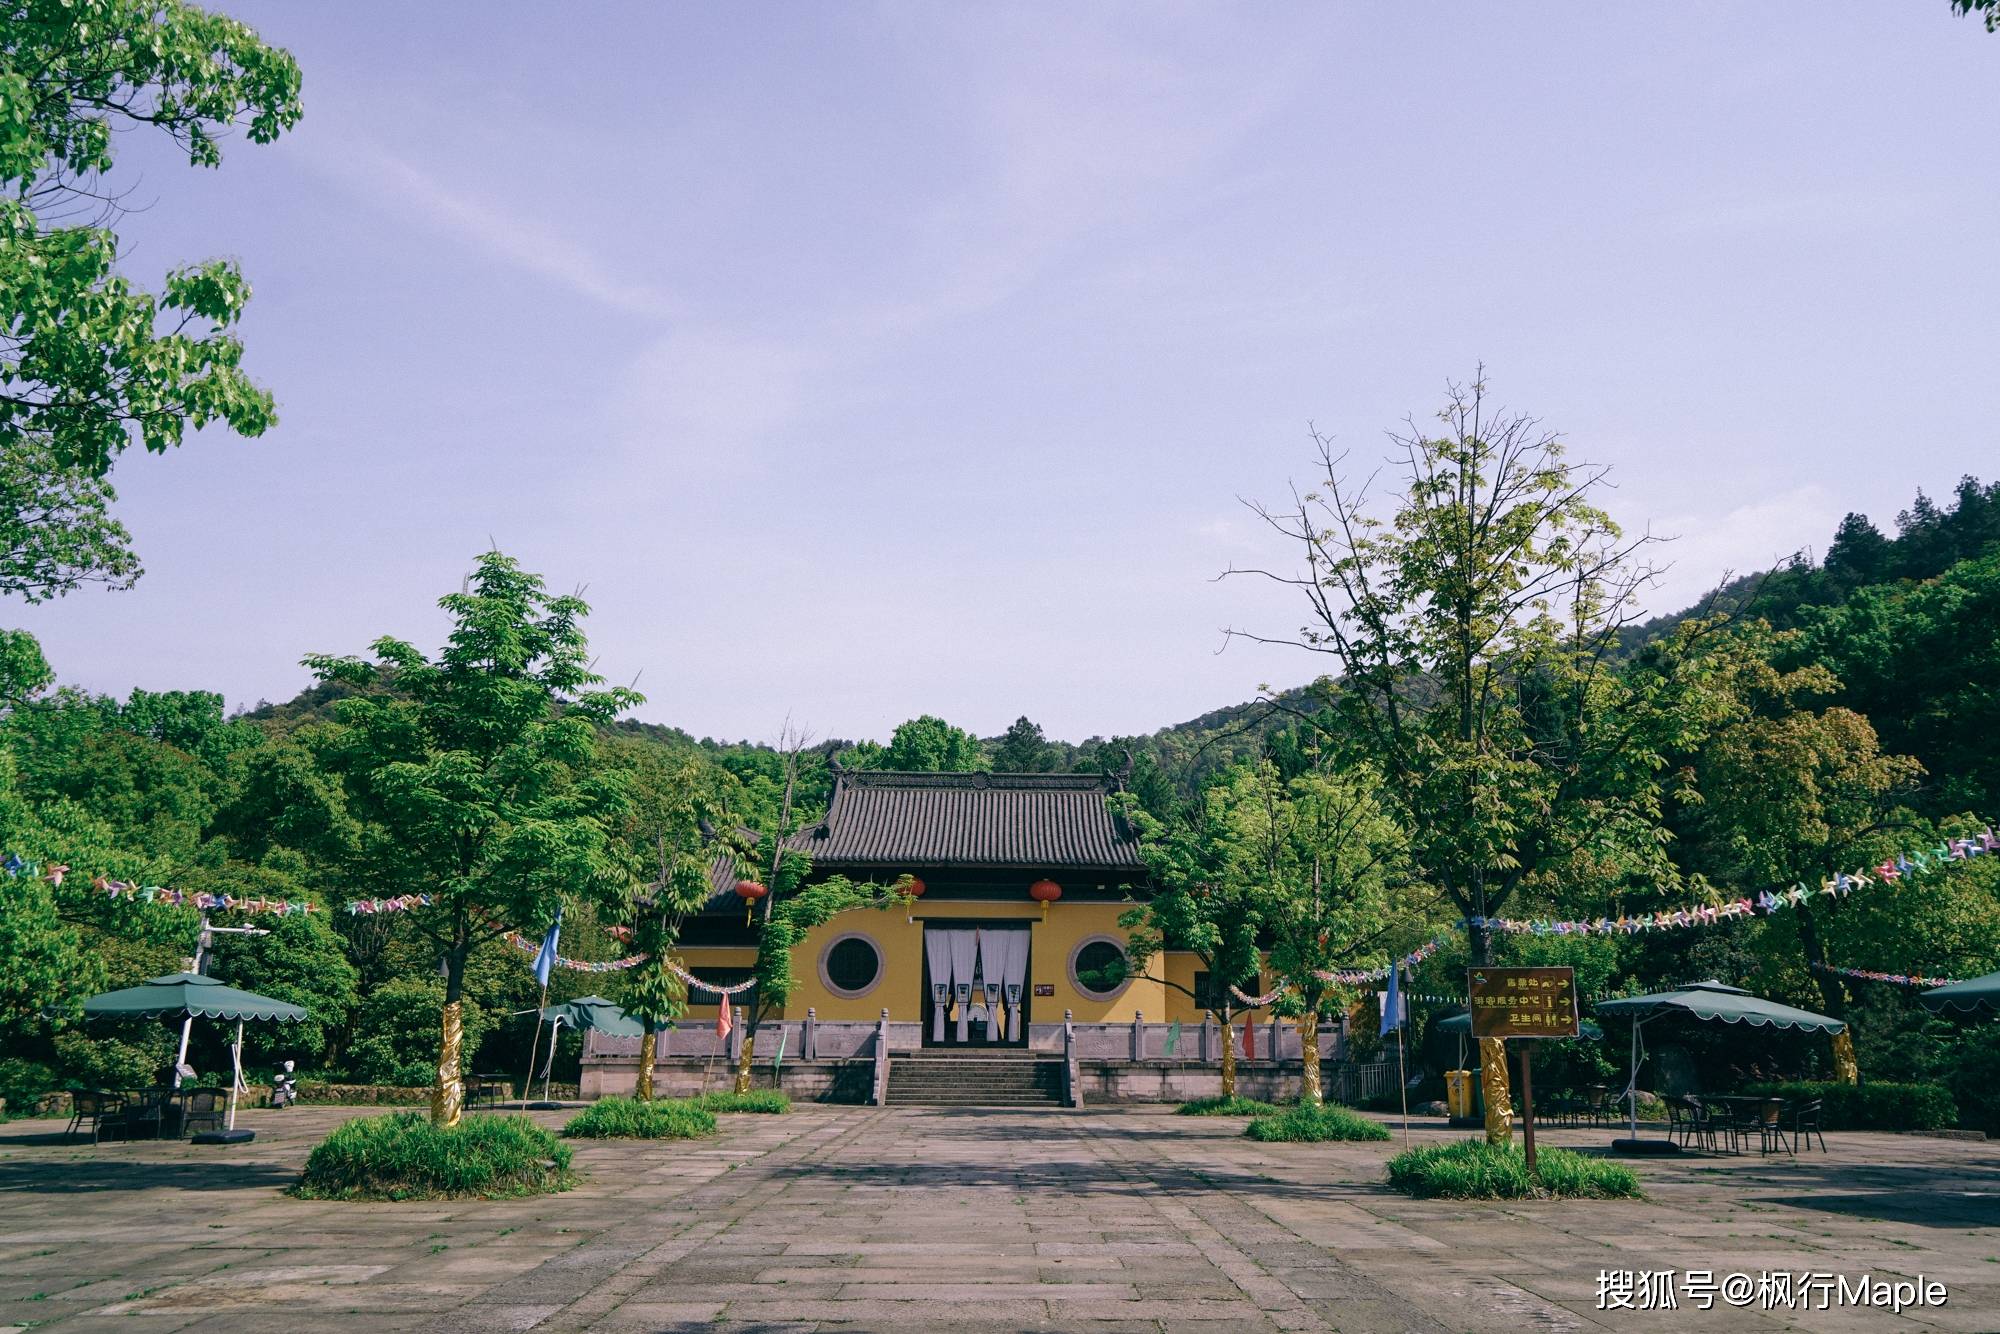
column 975, row 986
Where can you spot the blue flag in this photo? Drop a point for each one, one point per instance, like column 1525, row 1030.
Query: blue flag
column 545, row 957
column 1392, row 1004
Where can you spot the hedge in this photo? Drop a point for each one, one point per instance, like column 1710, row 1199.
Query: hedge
column 404, row 1157
column 1312, row 1125
column 1871, row 1106
column 1472, row 1169
column 627, row 1118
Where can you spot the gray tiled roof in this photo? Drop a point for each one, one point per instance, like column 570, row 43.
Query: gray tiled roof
column 903, row 821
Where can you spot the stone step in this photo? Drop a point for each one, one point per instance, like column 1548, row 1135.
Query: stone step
column 974, row 1079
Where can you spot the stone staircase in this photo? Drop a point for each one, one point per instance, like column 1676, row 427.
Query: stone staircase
column 941, row 1077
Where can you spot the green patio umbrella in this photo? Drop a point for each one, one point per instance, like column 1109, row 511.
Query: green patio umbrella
column 1709, row 1000
column 194, row 996
column 1979, row 993
column 594, row 1012
column 583, row 1013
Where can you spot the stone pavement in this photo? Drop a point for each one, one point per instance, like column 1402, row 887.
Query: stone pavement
column 886, row 1219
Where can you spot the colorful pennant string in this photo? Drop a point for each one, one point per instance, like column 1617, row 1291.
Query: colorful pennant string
column 1259, row 1002
column 1899, row 979
column 710, row 987
column 1942, row 856
column 401, row 903
column 16, row 865
column 527, row 946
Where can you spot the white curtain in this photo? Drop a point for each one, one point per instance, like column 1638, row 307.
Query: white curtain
column 937, row 953
column 964, row 960
column 1015, row 978
column 992, row 965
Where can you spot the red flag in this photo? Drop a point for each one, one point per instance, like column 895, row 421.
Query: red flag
column 1249, row 1040
column 722, row 1021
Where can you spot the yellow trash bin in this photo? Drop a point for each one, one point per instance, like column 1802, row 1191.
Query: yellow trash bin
column 1458, row 1091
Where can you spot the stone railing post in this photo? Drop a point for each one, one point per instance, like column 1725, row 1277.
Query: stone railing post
column 1138, row 1035
column 1272, row 1037
column 736, row 1041
column 881, row 1092
column 1072, row 1077
column 1208, row 1051
column 807, row 1035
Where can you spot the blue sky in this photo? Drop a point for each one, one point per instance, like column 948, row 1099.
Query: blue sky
column 863, row 361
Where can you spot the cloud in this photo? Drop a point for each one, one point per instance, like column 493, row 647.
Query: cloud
column 1750, row 537
column 396, row 185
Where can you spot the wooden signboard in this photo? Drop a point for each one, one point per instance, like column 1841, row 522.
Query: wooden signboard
column 1522, row 1002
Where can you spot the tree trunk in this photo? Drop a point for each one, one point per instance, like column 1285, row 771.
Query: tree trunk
column 1310, row 1094
column 448, row 1094
column 1228, row 1056
column 644, row 1089
column 1493, row 1085
column 743, row 1062
column 1832, row 996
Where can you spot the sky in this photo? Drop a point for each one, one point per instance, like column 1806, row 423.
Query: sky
column 861, row 361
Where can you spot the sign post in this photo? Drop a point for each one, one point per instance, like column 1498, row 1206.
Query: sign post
column 1523, row 1003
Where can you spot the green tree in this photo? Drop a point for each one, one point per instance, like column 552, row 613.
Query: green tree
column 678, row 801
column 1024, row 750
column 89, row 362
column 1989, row 8
column 1473, row 632
column 926, row 742
column 477, row 781
column 1322, row 866
column 1197, row 904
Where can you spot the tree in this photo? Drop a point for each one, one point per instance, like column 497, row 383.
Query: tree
column 926, row 742
column 677, row 801
column 1990, row 8
column 90, row 363
column 1024, row 750
column 1472, row 631
column 1321, row 866
column 1197, row 904
column 477, row 781
column 1790, row 794
column 1859, row 555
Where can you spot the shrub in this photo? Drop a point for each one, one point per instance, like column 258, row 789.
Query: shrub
column 1303, row 1124
column 627, row 1118
column 22, row 1082
column 111, row 1063
column 1975, row 1085
column 1872, row 1106
column 772, row 1101
column 1236, row 1105
column 1472, row 1169
column 405, row 1157
column 396, row 1032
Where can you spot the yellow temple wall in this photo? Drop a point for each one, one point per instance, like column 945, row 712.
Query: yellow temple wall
column 900, row 940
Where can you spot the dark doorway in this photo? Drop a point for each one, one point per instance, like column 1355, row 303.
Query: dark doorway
column 977, row 1033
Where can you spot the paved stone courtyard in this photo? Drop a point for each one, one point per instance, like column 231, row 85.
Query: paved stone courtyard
column 859, row 1218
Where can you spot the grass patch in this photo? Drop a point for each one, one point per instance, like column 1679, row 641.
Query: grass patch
column 627, row 1118
column 770, row 1101
column 1472, row 1169
column 1234, row 1105
column 405, row 1157
column 1310, row 1125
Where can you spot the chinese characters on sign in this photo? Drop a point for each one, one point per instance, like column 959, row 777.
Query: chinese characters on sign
column 1522, row 1002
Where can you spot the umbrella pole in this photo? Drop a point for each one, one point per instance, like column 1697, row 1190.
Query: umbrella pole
column 534, row 1046
column 236, row 1059
column 549, row 1070
column 1632, row 1084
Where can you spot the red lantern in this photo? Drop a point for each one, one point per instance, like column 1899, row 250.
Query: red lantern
column 917, row 887
column 749, row 891
column 1045, row 892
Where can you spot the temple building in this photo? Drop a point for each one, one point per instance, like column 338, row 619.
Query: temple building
column 1012, row 953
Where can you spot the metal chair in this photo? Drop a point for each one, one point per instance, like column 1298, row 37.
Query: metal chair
column 148, row 1109
column 1768, row 1121
column 1805, row 1125
column 204, row 1112
column 93, row 1108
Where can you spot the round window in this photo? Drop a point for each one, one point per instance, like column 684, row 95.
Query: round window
column 851, row 965
column 1098, row 967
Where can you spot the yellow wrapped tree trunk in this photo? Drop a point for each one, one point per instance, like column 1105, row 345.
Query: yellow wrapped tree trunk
column 1228, row 1060
column 448, row 1094
column 1493, row 1087
column 644, row 1090
column 1845, row 1068
column 1310, row 1094
column 743, row 1065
